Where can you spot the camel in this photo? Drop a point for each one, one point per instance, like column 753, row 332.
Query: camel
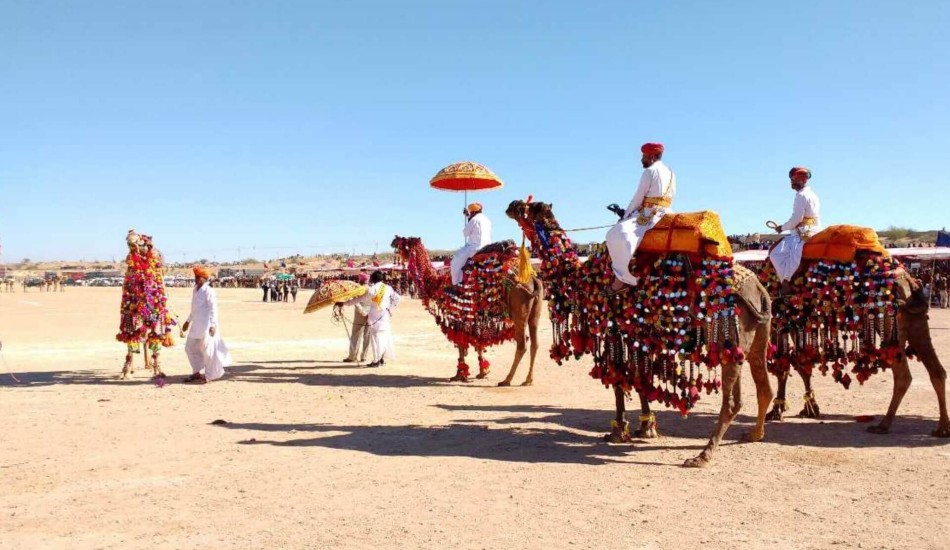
column 144, row 320
column 571, row 289
column 521, row 303
column 910, row 331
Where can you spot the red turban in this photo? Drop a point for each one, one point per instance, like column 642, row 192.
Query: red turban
column 201, row 271
column 800, row 170
column 652, row 149
column 474, row 207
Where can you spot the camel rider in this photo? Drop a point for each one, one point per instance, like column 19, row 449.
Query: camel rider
column 651, row 202
column 477, row 234
column 805, row 222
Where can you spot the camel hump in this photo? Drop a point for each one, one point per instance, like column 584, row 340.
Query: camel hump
column 841, row 243
column 697, row 233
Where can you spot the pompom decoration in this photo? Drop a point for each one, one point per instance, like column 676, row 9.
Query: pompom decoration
column 837, row 314
column 143, row 313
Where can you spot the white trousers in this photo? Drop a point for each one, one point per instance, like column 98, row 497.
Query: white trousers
column 208, row 353
column 622, row 242
column 786, row 256
column 382, row 338
column 459, row 260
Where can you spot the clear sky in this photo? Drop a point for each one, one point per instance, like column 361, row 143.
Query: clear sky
column 315, row 126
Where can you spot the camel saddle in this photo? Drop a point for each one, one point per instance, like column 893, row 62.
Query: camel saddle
column 841, row 243
column 690, row 232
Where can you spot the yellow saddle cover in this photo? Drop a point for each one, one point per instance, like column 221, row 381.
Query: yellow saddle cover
column 841, row 242
column 690, row 233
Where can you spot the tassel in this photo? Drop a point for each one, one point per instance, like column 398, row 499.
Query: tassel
column 525, row 270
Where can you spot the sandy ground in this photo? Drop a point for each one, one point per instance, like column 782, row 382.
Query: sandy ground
column 321, row 454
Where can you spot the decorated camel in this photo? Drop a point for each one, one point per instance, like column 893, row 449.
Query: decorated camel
column 691, row 312
column 145, row 323
column 850, row 304
column 499, row 298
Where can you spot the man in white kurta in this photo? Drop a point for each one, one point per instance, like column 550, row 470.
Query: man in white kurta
column 805, row 222
column 380, row 298
column 477, row 234
column 650, row 203
column 205, row 349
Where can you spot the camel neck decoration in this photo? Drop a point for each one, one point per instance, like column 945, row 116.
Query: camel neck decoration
column 488, row 308
column 663, row 338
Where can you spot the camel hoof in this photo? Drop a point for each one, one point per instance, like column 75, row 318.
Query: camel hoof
column 810, row 411
column 527, row 382
column 777, row 414
column 753, row 436
column 647, row 431
column 459, row 378
column 698, row 462
column 504, row 384
column 482, row 375
column 880, row 429
column 941, row 431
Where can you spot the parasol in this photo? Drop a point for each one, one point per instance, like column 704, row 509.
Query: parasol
column 465, row 176
column 334, row 291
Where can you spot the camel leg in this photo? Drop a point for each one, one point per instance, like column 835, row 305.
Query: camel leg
column 127, row 367
column 760, row 375
column 533, row 341
column 902, row 379
column 156, row 366
column 519, row 353
column 731, row 403
column 811, row 409
column 919, row 336
column 484, row 367
column 779, row 406
column 619, row 428
column 648, row 427
column 461, row 372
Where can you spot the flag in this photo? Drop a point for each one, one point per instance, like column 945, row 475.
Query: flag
column 943, row 238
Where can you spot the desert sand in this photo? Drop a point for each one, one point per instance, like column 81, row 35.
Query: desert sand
column 321, row 454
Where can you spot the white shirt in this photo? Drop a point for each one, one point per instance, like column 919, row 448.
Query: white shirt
column 204, row 311
column 657, row 181
column 378, row 313
column 806, row 205
column 477, row 231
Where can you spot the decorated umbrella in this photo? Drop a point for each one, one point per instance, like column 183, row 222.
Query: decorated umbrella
column 465, row 176
column 334, row 291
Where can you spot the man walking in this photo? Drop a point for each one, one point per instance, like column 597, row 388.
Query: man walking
column 360, row 329
column 206, row 351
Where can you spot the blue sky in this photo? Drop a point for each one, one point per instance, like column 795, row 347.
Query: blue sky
column 315, row 126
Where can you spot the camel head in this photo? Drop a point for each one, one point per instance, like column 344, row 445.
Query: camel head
column 404, row 244
column 530, row 214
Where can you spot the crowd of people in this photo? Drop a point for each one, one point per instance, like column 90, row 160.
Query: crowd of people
column 280, row 291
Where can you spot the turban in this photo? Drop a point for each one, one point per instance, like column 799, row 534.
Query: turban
column 363, row 278
column 474, row 207
column 652, row 149
column 201, row 271
column 799, row 170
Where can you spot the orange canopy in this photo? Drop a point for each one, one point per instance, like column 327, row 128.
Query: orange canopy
column 691, row 233
column 841, row 242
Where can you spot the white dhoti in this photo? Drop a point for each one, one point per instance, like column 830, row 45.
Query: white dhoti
column 624, row 238
column 208, row 353
column 786, row 256
column 459, row 260
column 381, row 335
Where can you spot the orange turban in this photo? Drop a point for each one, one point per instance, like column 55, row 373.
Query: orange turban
column 474, row 207
column 201, row 271
column 652, row 149
column 800, row 170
